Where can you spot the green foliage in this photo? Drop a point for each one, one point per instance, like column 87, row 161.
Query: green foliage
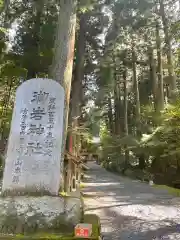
column 172, row 191
column 135, row 129
column 10, row 70
column 114, row 147
column 164, row 142
column 160, row 148
column 33, row 42
column 1, row 3
column 3, row 30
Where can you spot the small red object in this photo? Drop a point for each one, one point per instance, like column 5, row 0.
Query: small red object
column 80, row 232
column 83, row 231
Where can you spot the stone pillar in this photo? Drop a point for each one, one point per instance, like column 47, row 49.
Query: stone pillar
column 32, row 174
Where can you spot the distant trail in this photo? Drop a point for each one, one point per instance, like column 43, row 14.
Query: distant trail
column 129, row 209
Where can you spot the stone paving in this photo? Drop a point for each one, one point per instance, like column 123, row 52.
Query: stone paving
column 130, row 209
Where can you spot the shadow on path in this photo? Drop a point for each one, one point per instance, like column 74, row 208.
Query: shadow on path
column 129, row 209
column 142, row 230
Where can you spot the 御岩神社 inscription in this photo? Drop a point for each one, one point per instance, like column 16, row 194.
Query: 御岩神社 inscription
column 34, row 148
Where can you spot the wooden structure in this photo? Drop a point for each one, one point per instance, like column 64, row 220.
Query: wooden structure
column 72, row 172
column 74, row 162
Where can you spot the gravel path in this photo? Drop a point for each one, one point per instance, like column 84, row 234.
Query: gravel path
column 129, row 209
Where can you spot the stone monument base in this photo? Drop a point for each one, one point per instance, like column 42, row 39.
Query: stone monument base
column 26, row 215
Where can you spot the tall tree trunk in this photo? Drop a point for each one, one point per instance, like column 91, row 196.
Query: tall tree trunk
column 116, row 111
column 159, row 70
column 117, row 101
column 110, row 116
column 76, row 92
column 168, row 50
column 5, row 11
column 125, row 103
column 61, row 69
column 5, row 25
column 153, row 77
column 136, row 91
column 137, row 99
column 125, row 112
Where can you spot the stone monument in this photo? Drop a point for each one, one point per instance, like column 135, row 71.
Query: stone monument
column 32, row 174
column 34, row 148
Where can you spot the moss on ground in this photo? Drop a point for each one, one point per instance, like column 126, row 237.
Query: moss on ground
column 42, row 236
column 88, row 218
column 95, row 221
column 171, row 190
column 48, row 237
column 82, row 185
column 13, row 225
